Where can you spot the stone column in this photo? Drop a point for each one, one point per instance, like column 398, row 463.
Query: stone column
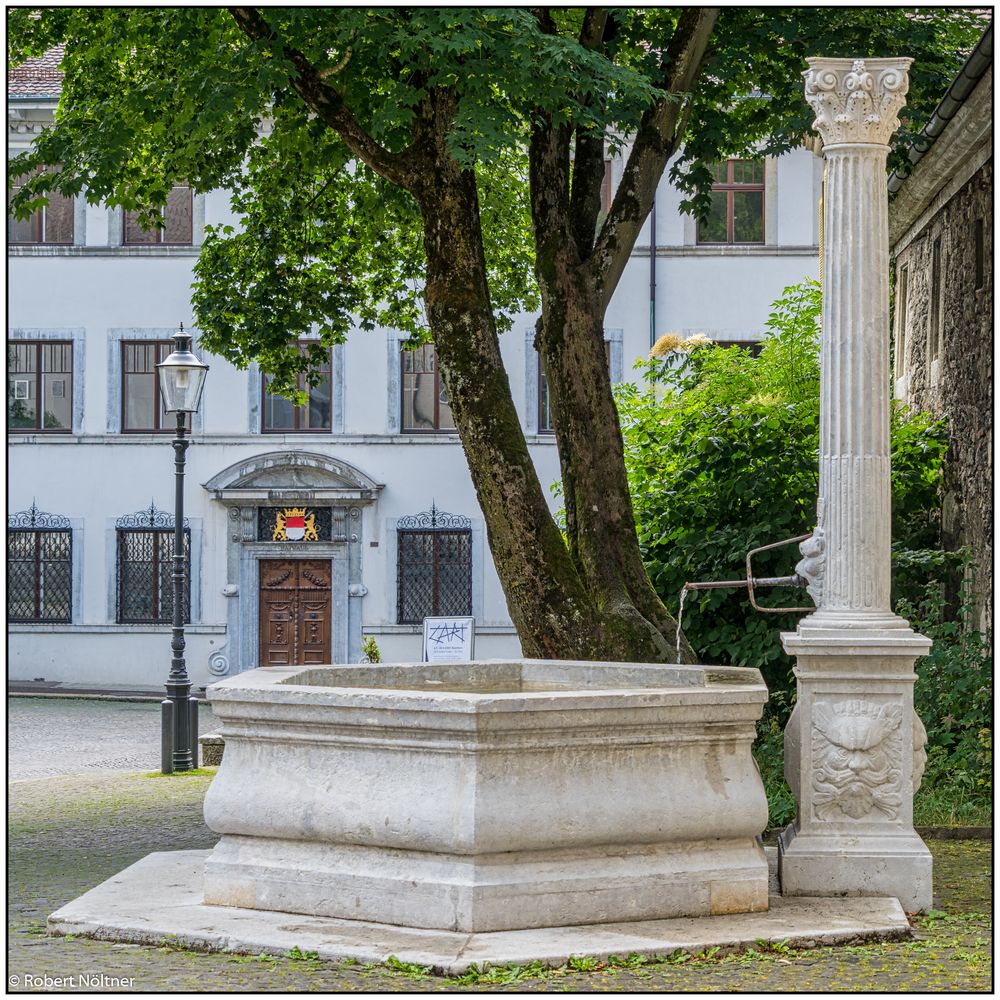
column 853, row 746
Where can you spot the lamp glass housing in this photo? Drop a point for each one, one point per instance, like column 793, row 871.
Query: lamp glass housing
column 182, row 378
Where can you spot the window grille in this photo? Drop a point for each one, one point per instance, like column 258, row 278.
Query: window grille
column 434, row 573
column 146, row 565
column 39, row 567
column 40, row 386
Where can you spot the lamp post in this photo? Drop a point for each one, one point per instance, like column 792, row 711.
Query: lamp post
column 182, row 379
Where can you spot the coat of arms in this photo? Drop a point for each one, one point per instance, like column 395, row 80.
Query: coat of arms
column 293, row 525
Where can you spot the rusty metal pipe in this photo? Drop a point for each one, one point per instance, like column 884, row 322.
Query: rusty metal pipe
column 753, row 582
column 758, row 581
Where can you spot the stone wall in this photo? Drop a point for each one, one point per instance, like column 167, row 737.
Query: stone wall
column 956, row 379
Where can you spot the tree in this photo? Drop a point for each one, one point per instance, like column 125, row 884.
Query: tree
column 380, row 159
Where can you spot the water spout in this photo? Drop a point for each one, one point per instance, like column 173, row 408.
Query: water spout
column 680, row 619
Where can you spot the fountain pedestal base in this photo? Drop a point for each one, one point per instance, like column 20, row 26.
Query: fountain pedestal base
column 488, row 893
column 489, row 796
column 854, row 755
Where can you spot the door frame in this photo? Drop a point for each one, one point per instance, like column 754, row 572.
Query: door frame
column 250, row 556
column 297, row 557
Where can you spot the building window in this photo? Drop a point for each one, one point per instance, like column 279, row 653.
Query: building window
column 40, row 386
column 177, row 215
column 142, row 408
column 934, row 318
column 425, row 400
column 39, row 568
column 50, row 225
column 545, row 424
column 737, row 210
column 434, row 571
column 145, row 575
column 980, row 251
column 902, row 292
column 282, row 416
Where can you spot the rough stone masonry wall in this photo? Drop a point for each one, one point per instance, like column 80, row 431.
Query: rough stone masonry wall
column 960, row 385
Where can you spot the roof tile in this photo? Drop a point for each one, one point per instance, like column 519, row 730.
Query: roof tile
column 37, row 77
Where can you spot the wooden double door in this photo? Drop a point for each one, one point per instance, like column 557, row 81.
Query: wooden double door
column 295, row 611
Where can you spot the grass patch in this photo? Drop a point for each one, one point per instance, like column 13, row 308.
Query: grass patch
column 194, row 772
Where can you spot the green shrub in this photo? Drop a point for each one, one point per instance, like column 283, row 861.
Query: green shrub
column 370, row 653
column 722, row 455
column 953, row 696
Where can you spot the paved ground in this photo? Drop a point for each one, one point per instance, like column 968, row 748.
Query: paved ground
column 50, row 736
column 67, row 833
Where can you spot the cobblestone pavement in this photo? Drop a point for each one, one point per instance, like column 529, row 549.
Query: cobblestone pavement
column 69, row 833
column 50, row 736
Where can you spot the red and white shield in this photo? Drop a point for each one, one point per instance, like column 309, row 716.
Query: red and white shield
column 295, row 527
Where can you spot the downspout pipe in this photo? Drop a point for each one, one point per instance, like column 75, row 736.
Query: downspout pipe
column 652, row 274
column 979, row 61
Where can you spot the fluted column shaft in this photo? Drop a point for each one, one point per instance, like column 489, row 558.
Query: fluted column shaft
column 848, row 559
column 854, row 399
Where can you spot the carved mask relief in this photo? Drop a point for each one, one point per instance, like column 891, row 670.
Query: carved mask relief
column 856, row 750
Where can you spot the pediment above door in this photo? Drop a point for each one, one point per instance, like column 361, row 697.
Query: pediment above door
column 292, row 475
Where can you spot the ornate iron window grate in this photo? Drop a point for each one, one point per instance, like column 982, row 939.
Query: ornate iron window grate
column 434, row 520
column 39, row 575
column 35, row 518
column 150, row 517
column 145, row 576
column 434, row 572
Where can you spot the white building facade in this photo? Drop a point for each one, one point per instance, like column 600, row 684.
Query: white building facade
column 307, row 529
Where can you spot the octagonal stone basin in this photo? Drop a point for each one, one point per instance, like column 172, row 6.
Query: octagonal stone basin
column 489, row 795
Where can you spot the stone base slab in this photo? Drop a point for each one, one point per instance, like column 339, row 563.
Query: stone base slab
column 831, row 864
column 479, row 893
column 160, row 897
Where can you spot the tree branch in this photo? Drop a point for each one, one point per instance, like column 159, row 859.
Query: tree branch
column 329, row 104
column 592, row 29
column 656, row 140
column 585, row 197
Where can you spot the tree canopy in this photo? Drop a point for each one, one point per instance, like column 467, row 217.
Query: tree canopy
column 153, row 95
column 439, row 170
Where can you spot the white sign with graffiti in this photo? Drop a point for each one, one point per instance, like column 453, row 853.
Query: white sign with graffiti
column 449, row 639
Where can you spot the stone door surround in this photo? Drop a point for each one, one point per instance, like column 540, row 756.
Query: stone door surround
column 291, row 479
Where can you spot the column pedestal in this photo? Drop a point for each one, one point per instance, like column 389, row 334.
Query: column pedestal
column 854, row 756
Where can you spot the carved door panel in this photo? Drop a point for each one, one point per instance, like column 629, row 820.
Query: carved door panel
column 295, row 611
column 314, row 612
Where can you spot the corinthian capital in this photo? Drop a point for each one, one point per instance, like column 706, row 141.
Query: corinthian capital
column 857, row 100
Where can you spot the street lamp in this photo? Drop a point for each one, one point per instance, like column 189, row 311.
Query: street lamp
column 182, row 379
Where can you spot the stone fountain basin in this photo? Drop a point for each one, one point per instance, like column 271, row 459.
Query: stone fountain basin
column 489, row 795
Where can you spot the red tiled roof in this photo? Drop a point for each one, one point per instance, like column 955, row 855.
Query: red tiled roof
column 37, row 77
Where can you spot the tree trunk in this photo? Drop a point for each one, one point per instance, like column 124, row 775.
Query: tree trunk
column 599, row 518
column 560, row 601
column 602, row 535
column 548, row 604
